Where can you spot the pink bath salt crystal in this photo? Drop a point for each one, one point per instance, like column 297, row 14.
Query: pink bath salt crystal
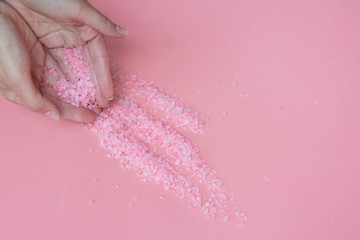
column 126, row 119
column 82, row 93
column 137, row 156
column 174, row 109
column 225, row 219
column 155, row 132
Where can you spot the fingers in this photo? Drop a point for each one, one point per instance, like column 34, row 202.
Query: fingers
column 101, row 64
column 31, row 98
column 15, row 72
column 96, row 20
column 100, row 99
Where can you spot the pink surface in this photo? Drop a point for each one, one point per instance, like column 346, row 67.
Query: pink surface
column 288, row 147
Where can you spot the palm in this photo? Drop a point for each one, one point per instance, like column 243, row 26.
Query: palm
column 56, row 27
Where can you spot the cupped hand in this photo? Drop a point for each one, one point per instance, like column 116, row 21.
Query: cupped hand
column 22, row 60
column 58, row 24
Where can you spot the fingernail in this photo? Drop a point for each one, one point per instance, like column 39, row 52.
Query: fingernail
column 122, row 31
column 52, row 115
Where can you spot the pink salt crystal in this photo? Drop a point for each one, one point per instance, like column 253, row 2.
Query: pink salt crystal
column 90, row 149
column 225, row 219
column 117, row 186
column 130, row 205
column 91, row 201
column 82, row 93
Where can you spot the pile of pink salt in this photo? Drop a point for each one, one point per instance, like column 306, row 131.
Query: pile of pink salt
column 147, row 145
column 81, row 92
column 175, row 110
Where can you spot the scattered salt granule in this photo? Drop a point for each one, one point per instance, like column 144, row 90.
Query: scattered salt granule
column 90, row 149
column 91, row 201
column 94, row 180
column 225, row 219
column 161, row 197
column 267, row 178
column 117, row 186
column 130, row 205
column 82, row 93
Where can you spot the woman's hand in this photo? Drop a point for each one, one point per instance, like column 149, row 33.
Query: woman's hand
column 22, row 59
column 74, row 23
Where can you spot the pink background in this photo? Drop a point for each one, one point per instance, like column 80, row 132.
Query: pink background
column 289, row 151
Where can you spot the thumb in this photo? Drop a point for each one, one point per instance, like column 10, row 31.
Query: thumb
column 31, row 97
column 96, row 20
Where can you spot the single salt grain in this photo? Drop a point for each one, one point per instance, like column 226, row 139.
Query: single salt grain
column 225, row 219
column 241, row 225
column 91, row 201
column 108, row 155
column 90, row 149
column 117, row 186
column 237, row 213
column 161, row 197
column 233, row 84
column 130, row 205
column 94, row 180
column 267, row 178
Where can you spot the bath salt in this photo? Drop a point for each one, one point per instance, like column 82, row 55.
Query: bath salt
column 145, row 127
column 82, row 93
column 148, row 146
column 175, row 110
column 138, row 157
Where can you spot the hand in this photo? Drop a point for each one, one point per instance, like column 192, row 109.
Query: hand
column 57, row 24
column 21, row 65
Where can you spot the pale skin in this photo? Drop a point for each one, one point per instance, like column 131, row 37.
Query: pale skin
column 31, row 33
